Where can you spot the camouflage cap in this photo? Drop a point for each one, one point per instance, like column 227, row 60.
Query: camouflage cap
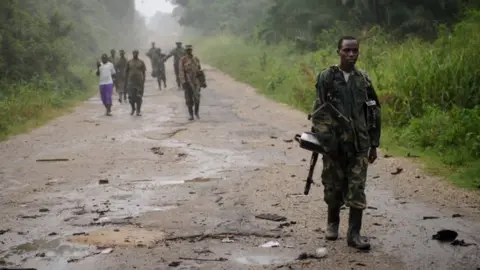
column 135, row 51
column 122, row 51
column 188, row 47
column 178, row 42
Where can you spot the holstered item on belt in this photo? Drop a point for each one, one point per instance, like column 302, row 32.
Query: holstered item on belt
column 201, row 78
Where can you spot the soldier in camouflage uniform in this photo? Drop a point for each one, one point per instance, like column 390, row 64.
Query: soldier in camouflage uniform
column 135, row 82
column 158, row 61
column 113, row 57
column 177, row 53
column 189, row 72
column 344, row 174
column 151, row 53
column 120, row 66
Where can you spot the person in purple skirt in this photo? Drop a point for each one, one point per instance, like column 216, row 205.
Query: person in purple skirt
column 106, row 74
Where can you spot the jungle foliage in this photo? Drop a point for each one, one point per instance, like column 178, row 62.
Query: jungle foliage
column 46, row 48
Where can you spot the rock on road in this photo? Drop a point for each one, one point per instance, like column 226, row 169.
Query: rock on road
column 160, row 192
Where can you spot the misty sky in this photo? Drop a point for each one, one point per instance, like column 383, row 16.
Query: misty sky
column 149, row 7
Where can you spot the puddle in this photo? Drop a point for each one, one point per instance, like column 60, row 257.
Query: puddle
column 48, row 248
column 263, row 260
column 125, row 237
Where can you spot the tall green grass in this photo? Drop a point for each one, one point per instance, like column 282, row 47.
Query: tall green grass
column 26, row 105
column 429, row 91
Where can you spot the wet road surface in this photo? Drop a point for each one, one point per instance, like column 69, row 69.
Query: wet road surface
column 160, row 192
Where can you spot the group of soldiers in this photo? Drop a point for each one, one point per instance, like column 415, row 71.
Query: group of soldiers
column 130, row 75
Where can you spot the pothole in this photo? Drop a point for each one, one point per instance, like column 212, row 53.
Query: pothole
column 126, row 237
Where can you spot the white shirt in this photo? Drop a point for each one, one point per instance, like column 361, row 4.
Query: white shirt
column 106, row 72
column 346, row 75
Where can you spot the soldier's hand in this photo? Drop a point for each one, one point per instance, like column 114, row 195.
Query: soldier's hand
column 372, row 155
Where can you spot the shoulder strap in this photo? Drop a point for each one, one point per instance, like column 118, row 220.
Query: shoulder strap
column 331, row 72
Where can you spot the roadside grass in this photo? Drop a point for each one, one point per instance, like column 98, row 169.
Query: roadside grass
column 429, row 91
column 25, row 106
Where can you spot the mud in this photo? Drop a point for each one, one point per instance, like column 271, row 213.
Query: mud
column 187, row 195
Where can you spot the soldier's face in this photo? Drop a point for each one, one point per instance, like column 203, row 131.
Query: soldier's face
column 104, row 59
column 135, row 54
column 189, row 52
column 122, row 54
column 349, row 51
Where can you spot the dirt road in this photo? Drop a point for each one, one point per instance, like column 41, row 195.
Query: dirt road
column 160, row 192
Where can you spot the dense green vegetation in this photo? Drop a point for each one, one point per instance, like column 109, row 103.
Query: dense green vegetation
column 48, row 51
column 421, row 55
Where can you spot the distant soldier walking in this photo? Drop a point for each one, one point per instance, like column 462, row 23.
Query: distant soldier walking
column 151, row 53
column 158, row 61
column 120, row 66
column 135, row 82
column 192, row 79
column 177, row 53
column 106, row 74
column 113, row 56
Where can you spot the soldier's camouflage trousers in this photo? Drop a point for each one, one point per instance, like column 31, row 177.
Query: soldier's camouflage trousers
column 176, row 68
column 192, row 95
column 135, row 96
column 344, row 180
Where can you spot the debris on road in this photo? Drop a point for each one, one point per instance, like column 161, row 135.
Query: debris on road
column 398, row 171
column 227, row 240
column 306, row 256
column 271, row 217
column 461, row 243
column 430, row 217
column 127, row 237
column 30, row 216
column 205, row 260
column 445, row 236
column 287, row 224
column 2, row 232
column 52, row 159
column 321, row 252
column 288, row 141
column 103, row 181
column 43, row 210
column 107, row 250
column 270, row 244
column 174, row 264
column 157, row 151
column 457, row 216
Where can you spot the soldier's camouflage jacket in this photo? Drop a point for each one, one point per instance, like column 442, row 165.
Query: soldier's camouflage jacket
column 350, row 99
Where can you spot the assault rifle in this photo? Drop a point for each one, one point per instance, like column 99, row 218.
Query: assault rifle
column 320, row 143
